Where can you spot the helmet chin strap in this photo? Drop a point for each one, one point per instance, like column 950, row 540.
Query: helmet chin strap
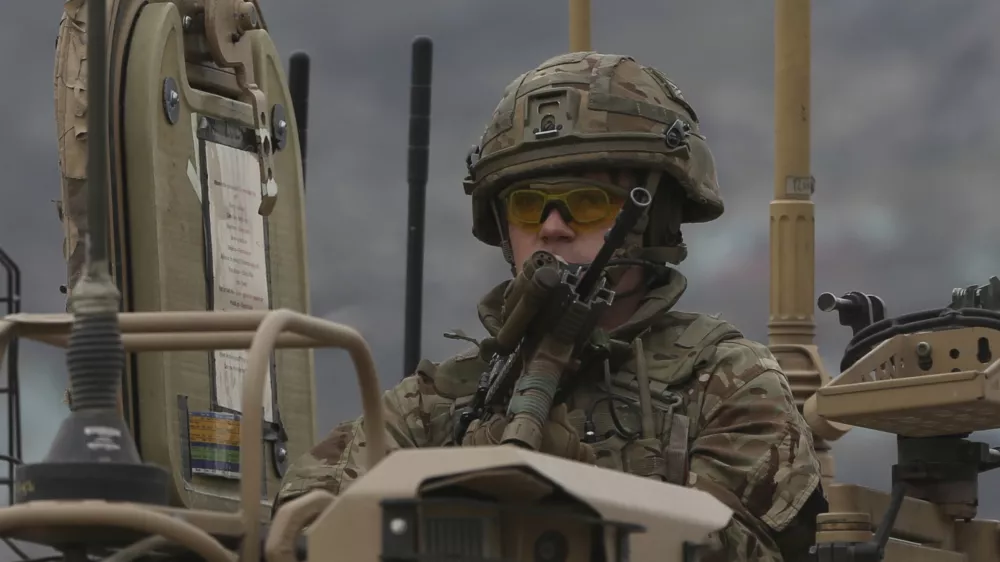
column 505, row 248
column 631, row 253
column 619, row 264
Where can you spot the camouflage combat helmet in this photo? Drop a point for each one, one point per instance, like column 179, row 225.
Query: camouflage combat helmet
column 587, row 110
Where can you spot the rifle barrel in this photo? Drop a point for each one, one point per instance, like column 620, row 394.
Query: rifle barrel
column 638, row 200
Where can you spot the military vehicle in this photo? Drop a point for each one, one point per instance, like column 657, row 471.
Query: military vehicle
column 927, row 377
column 200, row 347
column 180, row 344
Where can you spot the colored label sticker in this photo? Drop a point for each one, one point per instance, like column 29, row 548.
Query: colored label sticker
column 214, row 439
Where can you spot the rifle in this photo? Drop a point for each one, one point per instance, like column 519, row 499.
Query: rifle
column 553, row 312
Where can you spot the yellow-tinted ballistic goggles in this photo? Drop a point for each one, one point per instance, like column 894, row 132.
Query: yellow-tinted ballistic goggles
column 584, row 204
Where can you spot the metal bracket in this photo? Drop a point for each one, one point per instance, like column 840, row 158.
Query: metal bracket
column 12, row 301
column 279, row 126
column 274, row 433
column 226, row 23
column 171, row 100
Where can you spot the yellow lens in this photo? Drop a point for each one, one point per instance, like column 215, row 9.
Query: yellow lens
column 588, row 205
column 526, row 206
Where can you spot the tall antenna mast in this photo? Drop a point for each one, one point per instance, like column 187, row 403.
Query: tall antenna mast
column 579, row 25
column 792, row 325
column 416, row 176
column 94, row 455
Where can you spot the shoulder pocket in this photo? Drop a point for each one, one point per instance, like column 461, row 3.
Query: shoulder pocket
column 684, row 344
column 458, row 376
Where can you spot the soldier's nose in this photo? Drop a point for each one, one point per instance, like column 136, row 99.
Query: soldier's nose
column 554, row 228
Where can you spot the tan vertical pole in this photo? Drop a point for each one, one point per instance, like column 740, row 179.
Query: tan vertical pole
column 579, row 25
column 792, row 327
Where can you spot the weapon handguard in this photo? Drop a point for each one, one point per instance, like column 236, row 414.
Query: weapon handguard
column 528, row 294
column 535, row 390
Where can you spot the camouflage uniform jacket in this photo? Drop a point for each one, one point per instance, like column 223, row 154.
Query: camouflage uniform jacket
column 724, row 420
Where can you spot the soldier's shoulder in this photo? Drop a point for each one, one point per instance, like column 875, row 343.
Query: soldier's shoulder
column 720, row 353
column 744, row 371
column 728, row 343
column 746, row 358
column 327, row 465
column 677, row 345
column 692, row 330
column 455, row 377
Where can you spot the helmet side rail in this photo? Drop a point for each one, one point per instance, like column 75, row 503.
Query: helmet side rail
column 258, row 331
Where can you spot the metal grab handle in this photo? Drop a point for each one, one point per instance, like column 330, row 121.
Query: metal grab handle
column 325, row 333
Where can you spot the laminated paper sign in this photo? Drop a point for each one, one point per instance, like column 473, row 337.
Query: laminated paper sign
column 239, row 259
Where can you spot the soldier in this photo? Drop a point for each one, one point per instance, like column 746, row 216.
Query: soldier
column 682, row 397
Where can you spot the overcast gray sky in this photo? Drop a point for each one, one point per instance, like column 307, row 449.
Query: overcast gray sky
column 905, row 137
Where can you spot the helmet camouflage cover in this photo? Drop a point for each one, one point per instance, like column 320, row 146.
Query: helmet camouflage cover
column 588, row 110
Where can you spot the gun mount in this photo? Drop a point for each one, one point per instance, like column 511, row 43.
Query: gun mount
column 856, row 310
column 931, row 378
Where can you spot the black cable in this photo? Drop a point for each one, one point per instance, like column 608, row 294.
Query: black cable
column 611, row 399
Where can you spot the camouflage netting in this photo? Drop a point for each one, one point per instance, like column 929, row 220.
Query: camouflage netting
column 70, row 80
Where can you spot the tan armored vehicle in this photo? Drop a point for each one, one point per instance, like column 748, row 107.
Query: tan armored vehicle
column 186, row 179
column 928, row 377
column 191, row 372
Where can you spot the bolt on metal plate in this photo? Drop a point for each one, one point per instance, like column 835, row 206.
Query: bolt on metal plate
column 171, row 100
column 279, row 126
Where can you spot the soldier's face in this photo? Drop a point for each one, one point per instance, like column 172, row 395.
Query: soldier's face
column 568, row 239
